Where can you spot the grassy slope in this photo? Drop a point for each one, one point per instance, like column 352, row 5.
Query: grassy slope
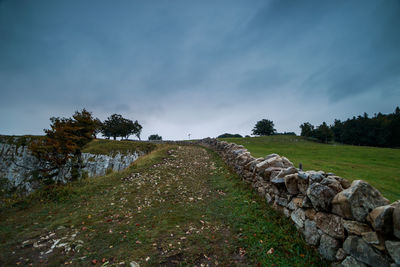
column 201, row 213
column 106, row 147
column 379, row 166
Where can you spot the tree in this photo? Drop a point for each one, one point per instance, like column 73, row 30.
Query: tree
column 112, row 126
column 323, row 133
column 264, row 127
column 62, row 144
column 86, row 126
column 127, row 128
column 155, row 137
column 137, row 129
column 117, row 126
column 307, row 129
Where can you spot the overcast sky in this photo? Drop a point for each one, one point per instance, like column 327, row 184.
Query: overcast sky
column 199, row 67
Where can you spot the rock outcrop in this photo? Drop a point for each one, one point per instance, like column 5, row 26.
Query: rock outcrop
column 18, row 166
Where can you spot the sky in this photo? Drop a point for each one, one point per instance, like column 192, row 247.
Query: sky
column 197, row 67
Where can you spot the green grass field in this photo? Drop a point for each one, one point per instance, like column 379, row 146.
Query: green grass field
column 378, row 166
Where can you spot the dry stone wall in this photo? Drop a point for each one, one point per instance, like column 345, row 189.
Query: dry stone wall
column 350, row 223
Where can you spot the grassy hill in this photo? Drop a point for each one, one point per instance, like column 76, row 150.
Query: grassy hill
column 379, row 166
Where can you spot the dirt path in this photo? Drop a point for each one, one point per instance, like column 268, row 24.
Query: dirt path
column 182, row 208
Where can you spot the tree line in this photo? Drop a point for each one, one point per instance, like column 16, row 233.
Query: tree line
column 382, row 130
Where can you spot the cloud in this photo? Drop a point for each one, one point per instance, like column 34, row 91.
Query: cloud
column 201, row 67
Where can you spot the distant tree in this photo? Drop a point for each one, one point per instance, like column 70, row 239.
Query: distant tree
column 112, row 126
column 393, row 127
column 307, row 129
column 247, row 136
column 323, row 133
column 118, row 126
column 337, row 130
column 228, row 135
column 264, row 127
column 63, row 143
column 127, row 128
column 154, row 137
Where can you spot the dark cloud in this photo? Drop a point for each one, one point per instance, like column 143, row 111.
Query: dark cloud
column 203, row 67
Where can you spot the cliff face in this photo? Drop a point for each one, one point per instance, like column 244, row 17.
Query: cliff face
column 18, row 165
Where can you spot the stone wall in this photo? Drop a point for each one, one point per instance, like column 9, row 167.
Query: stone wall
column 17, row 166
column 351, row 224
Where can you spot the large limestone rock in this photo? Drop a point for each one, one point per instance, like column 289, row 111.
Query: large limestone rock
column 310, row 214
column 357, row 201
column 360, row 250
column 328, row 247
column 330, row 224
column 356, row 228
column 286, row 163
column 311, row 233
column 349, row 261
column 281, row 201
column 251, row 166
column 302, row 182
column 396, row 218
column 340, row 254
column 296, row 202
column 393, row 248
column 287, row 171
column 315, row 177
column 275, row 161
column 372, row 238
column 321, row 196
column 291, row 184
column 333, row 184
column 271, row 172
column 343, row 182
column 381, row 219
column 298, row 217
column 306, row 203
